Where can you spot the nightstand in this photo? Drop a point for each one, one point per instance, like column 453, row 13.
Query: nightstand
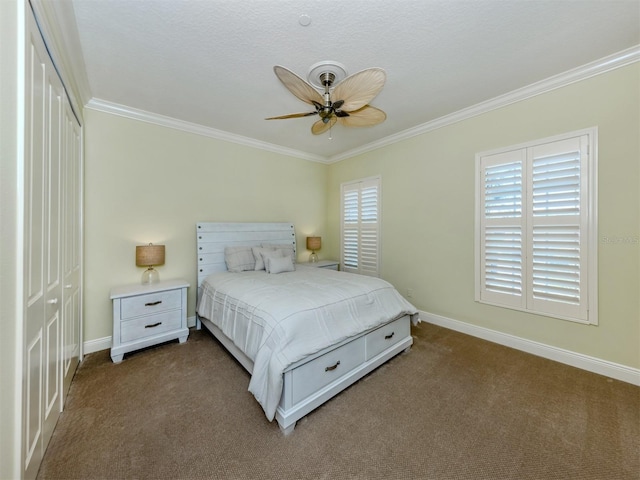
column 145, row 315
column 328, row 264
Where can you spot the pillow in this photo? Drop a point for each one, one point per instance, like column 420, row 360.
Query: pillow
column 239, row 259
column 280, row 264
column 257, row 254
column 267, row 255
column 286, row 249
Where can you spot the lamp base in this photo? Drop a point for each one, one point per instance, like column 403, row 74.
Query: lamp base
column 150, row 275
column 313, row 258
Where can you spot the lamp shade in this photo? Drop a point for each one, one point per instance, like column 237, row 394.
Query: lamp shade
column 314, row 243
column 149, row 255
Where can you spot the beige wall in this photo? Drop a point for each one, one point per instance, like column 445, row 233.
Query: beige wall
column 428, row 212
column 147, row 183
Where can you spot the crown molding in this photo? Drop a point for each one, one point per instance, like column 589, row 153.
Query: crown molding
column 170, row 122
column 603, row 65
column 56, row 21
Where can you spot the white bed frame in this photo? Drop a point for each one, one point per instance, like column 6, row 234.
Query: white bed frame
column 314, row 380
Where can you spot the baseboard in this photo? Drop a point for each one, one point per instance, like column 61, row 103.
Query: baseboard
column 104, row 343
column 91, row 346
column 578, row 360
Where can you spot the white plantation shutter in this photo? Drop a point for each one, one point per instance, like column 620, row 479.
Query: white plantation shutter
column 350, row 227
column 360, row 204
column 503, row 229
column 534, row 229
column 557, row 222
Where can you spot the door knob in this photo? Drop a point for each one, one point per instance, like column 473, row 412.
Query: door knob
column 53, row 301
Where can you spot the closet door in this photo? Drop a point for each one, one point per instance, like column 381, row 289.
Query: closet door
column 71, row 252
column 42, row 249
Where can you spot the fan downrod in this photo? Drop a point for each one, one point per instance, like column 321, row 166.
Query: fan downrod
column 326, row 79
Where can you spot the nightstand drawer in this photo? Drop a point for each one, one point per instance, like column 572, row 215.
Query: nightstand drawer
column 150, row 303
column 148, row 326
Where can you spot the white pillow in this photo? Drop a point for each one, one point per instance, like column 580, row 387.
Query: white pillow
column 239, row 259
column 280, row 264
column 267, row 255
column 257, row 254
column 286, row 249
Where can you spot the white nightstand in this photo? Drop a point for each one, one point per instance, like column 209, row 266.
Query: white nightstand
column 145, row 315
column 328, row 264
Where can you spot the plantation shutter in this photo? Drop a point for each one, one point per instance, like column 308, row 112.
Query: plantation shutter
column 350, row 227
column 533, row 231
column 557, row 221
column 503, row 229
column 360, row 226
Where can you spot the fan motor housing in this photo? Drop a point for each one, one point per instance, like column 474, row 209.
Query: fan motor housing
column 326, row 73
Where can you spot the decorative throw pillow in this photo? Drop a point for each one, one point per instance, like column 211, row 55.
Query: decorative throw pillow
column 280, row 264
column 286, row 249
column 239, row 259
column 267, row 255
column 257, row 254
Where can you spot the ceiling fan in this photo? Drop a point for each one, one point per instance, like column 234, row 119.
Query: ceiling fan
column 344, row 100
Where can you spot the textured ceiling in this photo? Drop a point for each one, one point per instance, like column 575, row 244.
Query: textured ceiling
column 210, row 62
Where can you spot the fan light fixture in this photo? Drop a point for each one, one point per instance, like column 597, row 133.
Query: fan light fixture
column 353, row 94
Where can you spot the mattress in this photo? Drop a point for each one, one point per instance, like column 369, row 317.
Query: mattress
column 279, row 319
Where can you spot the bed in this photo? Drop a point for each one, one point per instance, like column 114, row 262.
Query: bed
column 303, row 333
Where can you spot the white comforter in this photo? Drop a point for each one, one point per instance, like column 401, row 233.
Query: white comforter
column 277, row 320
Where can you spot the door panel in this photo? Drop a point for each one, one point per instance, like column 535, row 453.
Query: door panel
column 44, row 139
column 35, row 195
column 72, row 253
column 52, row 254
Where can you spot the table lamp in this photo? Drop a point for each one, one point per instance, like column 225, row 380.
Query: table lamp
column 148, row 256
column 313, row 244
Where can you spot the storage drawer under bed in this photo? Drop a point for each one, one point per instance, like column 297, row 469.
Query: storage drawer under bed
column 386, row 336
column 321, row 371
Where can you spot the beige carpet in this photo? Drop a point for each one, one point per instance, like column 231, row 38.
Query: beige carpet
column 455, row 407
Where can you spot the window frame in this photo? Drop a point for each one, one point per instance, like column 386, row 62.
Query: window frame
column 359, row 185
column 586, row 311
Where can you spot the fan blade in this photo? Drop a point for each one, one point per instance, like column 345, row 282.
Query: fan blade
column 359, row 89
column 364, row 117
column 292, row 115
column 298, row 86
column 321, row 127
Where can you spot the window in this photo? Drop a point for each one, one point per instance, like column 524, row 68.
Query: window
column 536, row 232
column 360, row 232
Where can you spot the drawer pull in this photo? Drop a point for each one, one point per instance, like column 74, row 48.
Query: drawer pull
column 332, row 367
column 154, row 325
column 151, row 304
column 387, row 337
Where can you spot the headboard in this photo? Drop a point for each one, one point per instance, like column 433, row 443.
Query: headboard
column 212, row 238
